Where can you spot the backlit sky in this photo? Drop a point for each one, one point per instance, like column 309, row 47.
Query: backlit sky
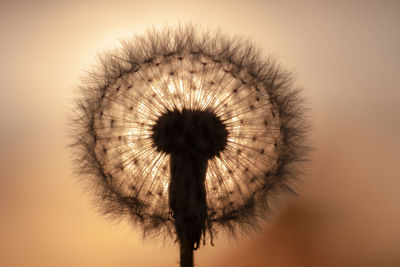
column 346, row 57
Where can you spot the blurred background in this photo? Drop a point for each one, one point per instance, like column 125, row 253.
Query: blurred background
column 346, row 57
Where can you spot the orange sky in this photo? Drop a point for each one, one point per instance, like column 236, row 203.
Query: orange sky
column 345, row 56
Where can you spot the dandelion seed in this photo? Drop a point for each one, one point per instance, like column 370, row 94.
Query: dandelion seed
column 188, row 133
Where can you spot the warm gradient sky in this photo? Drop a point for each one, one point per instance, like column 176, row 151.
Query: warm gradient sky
column 346, row 56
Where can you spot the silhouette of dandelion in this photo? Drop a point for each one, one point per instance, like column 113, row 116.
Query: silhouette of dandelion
column 189, row 133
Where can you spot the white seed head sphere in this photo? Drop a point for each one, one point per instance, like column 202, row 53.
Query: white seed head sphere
column 189, row 132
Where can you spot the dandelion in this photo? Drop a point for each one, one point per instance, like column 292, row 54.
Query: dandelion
column 188, row 133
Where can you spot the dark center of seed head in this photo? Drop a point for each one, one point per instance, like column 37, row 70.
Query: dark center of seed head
column 198, row 133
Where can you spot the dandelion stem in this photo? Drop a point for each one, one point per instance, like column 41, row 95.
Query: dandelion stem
column 187, row 197
column 187, row 200
column 186, row 253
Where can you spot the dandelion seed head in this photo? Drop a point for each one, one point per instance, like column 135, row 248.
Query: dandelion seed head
column 180, row 91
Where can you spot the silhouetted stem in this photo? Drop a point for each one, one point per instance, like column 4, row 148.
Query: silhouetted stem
column 186, row 251
column 188, row 202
